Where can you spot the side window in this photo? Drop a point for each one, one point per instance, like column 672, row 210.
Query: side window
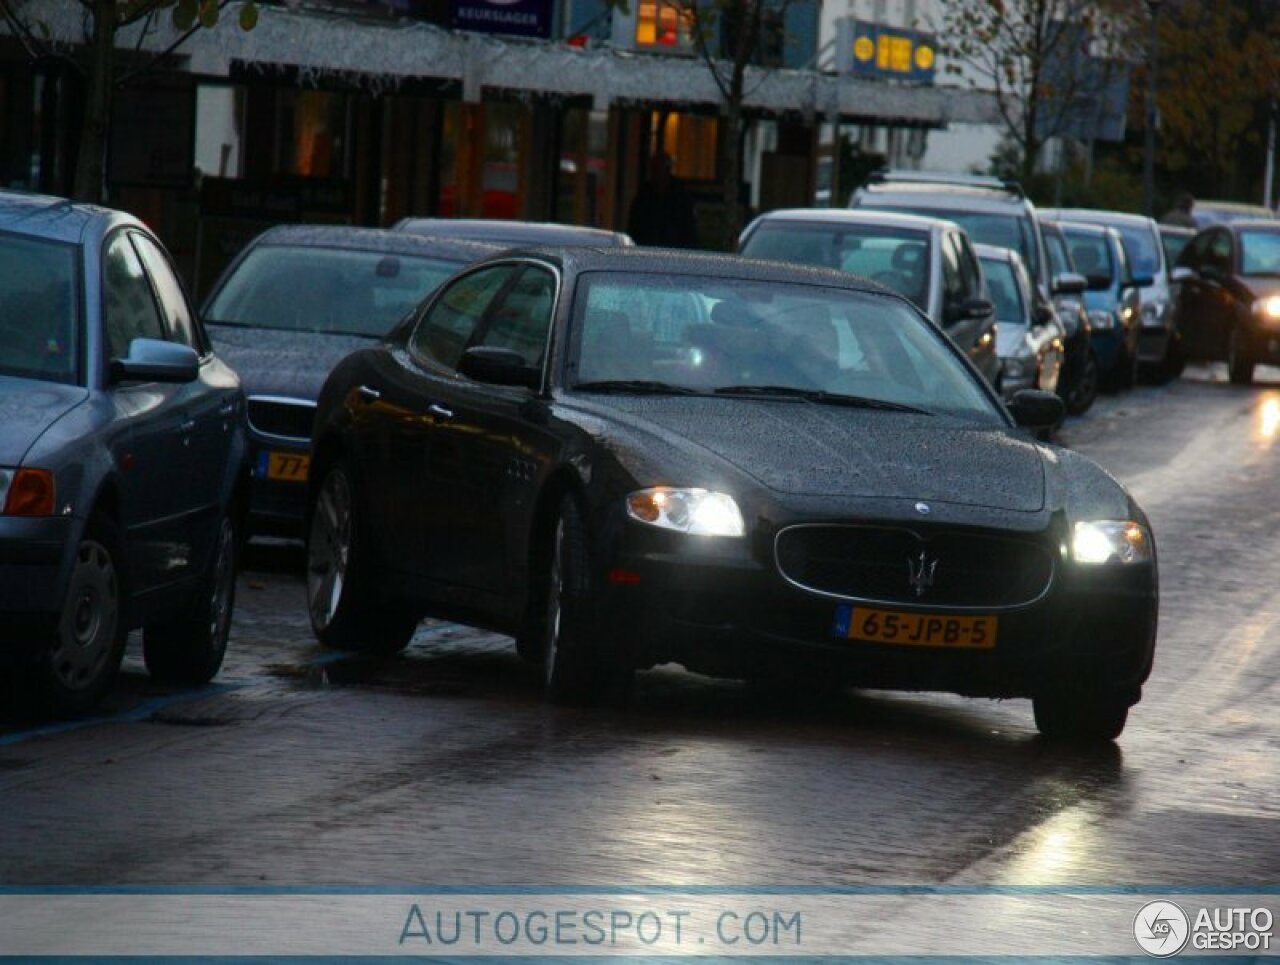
column 129, row 305
column 1219, row 255
column 521, row 320
column 445, row 330
column 173, row 300
column 1059, row 261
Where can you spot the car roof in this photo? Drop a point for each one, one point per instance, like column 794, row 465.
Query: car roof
column 996, row 253
column 837, row 216
column 935, row 190
column 1240, row 206
column 1177, row 229
column 680, row 261
column 1084, row 227
column 1099, row 215
column 375, row 240
column 56, row 218
column 512, row 232
column 1253, row 224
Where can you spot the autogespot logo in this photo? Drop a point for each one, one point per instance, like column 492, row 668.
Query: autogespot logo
column 1161, row 928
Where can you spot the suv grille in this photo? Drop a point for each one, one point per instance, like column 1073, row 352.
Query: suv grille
column 876, row 562
column 291, row 418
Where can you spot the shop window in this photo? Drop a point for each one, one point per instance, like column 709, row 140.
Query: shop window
column 312, row 133
column 580, row 188
column 220, row 115
column 690, row 141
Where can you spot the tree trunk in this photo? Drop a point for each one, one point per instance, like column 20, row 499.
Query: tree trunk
column 91, row 156
column 731, row 169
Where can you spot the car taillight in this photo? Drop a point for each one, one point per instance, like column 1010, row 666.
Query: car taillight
column 30, row 493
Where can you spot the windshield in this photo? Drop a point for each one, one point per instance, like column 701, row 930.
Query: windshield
column 1142, row 248
column 1005, row 293
column 897, row 258
column 985, row 228
column 1173, row 245
column 39, row 305
column 689, row 333
column 331, row 290
column 1091, row 254
column 1260, row 252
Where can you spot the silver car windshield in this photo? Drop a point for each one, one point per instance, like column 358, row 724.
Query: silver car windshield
column 39, row 309
column 711, row 335
column 330, row 290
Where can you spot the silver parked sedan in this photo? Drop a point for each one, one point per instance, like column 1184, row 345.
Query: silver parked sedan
column 122, row 467
column 1029, row 336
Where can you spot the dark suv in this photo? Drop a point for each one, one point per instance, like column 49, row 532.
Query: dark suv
column 992, row 211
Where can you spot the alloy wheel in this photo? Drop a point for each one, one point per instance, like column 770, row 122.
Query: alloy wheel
column 555, row 598
column 329, row 548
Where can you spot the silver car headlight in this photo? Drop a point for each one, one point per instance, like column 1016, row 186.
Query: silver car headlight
column 1101, row 319
column 698, row 512
column 1110, row 541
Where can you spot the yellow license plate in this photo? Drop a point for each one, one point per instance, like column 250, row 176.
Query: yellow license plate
column 288, row 466
column 916, row 629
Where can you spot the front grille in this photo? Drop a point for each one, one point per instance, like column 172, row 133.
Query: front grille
column 290, row 418
column 879, row 563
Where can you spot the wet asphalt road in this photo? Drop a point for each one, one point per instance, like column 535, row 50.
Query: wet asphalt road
column 443, row 766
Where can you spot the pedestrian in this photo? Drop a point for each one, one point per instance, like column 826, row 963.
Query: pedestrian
column 661, row 211
column 1180, row 213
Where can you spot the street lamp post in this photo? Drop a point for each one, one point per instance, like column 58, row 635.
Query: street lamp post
column 1149, row 135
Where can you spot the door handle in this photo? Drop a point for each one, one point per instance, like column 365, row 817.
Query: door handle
column 227, row 408
column 186, row 426
column 438, row 410
column 368, row 394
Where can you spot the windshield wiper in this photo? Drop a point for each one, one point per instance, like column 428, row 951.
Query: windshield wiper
column 635, row 386
column 820, row 396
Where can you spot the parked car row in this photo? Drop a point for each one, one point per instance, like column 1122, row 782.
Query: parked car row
column 618, row 456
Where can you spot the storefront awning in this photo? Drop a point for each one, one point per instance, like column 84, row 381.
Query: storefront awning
column 383, row 54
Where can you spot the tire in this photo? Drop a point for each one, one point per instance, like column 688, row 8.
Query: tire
column 189, row 650
column 346, row 612
column 71, row 675
column 1081, row 717
column 1083, row 389
column 1171, row 366
column 575, row 669
column 1239, row 362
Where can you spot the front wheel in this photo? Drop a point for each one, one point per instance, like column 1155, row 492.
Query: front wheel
column 189, row 650
column 1083, row 388
column 80, row 663
column 345, row 611
column 575, row 668
column 1240, row 363
column 1079, row 716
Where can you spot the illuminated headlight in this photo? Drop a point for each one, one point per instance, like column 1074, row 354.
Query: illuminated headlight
column 698, row 512
column 1110, row 541
column 1268, row 308
column 1101, row 319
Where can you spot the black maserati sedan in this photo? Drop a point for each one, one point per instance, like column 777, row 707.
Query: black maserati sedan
column 632, row 456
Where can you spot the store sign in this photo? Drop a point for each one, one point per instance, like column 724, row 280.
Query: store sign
column 873, row 50
column 524, row 18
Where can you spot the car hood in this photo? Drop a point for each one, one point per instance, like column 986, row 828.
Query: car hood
column 28, row 407
column 811, row 449
column 292, row 364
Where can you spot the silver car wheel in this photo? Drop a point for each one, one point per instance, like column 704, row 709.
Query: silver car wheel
column 90, row 618
column 223, row 585
column 555, row 596
column 329, row 549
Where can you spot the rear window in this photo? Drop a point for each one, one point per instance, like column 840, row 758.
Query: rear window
column 331, row 290
column 984, row 228
column 39, row 309
column 1005, row 293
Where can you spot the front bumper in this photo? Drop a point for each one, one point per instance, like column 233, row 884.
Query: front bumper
column 35, row 555
column 1153, row 343
column 730, row 616
column 277, row 503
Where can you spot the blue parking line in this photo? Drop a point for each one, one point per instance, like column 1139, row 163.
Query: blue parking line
column 141, row 712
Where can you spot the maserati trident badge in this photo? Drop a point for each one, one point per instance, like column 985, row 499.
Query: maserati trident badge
column 920, row 572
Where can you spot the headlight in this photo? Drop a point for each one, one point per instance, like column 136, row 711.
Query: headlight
column 1110, row 541
column 1268, row 308
column 1153, row 312
column 26, row 492
column 698, row 512
column 1101, row 319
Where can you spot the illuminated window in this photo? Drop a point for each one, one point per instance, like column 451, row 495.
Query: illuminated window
column 661, row 24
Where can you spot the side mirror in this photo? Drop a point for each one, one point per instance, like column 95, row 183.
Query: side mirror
column 968, row 309
column 1098, row 281
column 498, row 366
column 1069, row 283
column 1037, row 410
column 154, row 360
column 1182, row 273
column 1043, row 314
